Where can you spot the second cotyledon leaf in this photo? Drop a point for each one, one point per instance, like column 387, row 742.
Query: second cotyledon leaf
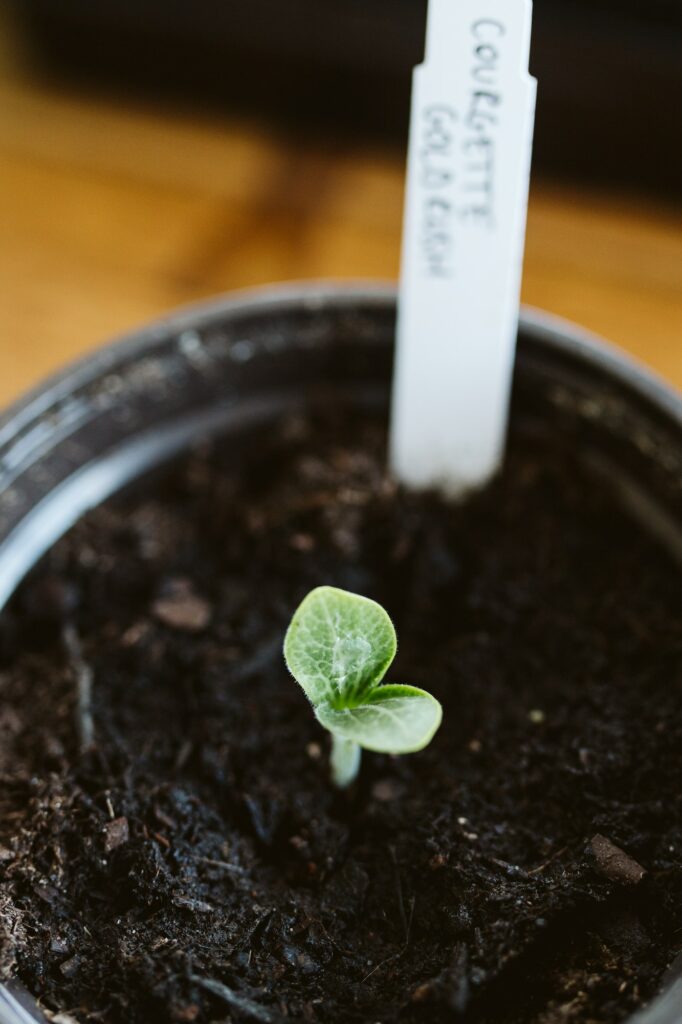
column 339, row 647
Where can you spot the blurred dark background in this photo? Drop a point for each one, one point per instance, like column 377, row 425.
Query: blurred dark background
column 610, row 70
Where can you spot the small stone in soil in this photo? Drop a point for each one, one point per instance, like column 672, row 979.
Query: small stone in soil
column 614, row 863
column 186, row 1013
column 179, row 607
column 302, row 542
column 116, row 833
column 197, row 906
column 69, row 967
column 385, row 790
column 134, row 634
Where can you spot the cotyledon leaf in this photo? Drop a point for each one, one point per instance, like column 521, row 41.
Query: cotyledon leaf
column 393, row 720
column 339, row 647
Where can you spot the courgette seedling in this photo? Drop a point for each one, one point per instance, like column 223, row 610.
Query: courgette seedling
column 339, row 647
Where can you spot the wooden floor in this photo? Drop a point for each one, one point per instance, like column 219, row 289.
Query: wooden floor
column 113, row 212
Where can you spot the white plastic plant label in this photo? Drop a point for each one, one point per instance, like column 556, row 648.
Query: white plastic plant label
column 473, row 112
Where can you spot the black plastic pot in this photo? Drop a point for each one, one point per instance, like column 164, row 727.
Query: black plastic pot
column 227, row 365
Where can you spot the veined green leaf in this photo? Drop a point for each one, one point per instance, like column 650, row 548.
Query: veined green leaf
column 393, row 720
column 339, row 647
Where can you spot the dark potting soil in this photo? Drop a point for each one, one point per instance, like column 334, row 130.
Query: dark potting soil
column 194, row 863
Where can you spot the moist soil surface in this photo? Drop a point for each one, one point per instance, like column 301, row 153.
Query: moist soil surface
column 175, row 851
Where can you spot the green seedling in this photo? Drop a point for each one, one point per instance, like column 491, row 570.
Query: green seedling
column 339, row 647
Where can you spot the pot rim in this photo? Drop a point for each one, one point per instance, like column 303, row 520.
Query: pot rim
column 556, row 333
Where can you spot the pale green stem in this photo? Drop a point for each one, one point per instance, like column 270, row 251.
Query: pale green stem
column 345, row 761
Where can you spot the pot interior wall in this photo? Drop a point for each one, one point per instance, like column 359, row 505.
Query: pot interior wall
column 222, row 370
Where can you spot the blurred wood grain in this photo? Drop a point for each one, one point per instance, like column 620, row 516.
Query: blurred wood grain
column 113, row 212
